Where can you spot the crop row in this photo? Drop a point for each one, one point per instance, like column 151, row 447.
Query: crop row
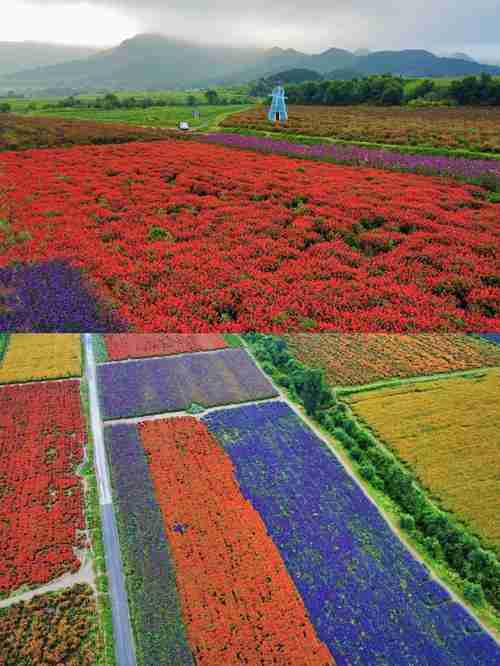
column 447, row 431
column 284, row 244
column 154, row 386
column 465, row 127
column 239, row 603
column 351, row 359
column 40, row 356
column 368, row 598
column 41, row 512
column 151, row 578
column 57, row 628
column 121, row 346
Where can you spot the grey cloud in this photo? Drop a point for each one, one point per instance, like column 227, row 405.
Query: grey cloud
column 318, row 24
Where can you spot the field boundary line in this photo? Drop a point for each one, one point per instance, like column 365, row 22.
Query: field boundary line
column 389, row 383
column 172, row 415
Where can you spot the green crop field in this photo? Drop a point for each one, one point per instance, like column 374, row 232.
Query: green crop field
column 155, row 116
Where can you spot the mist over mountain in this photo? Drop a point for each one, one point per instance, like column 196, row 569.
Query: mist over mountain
column 18, row 56
column 149, row 61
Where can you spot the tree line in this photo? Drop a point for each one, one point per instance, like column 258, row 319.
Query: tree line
column 390, row 90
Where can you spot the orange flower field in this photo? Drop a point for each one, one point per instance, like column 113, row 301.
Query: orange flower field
column 354, row 359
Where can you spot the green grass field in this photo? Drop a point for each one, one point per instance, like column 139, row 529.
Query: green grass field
column 155, row 116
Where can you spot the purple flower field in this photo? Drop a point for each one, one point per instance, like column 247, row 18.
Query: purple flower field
column 469, row 169
column 50, row 297
column 154, row 386
column 370, row 601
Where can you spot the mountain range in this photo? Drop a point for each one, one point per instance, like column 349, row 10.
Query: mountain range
column 16, row 56
column 152, row 61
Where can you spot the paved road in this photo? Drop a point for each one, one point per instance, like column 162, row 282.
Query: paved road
column 122, row 629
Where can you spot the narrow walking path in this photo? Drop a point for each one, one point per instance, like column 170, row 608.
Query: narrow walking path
column 85, row 575
column 122, row 628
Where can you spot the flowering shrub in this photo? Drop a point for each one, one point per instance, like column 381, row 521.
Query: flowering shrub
column 238, row 601
column 256, row 242
column 361, row 358
column 447, row 431
column 368, row 598
column 58, row 628
column 464, row 127
column 41, row 510
column 40, row 356
column 127, row 345
column 151, row 579
column 154, row 386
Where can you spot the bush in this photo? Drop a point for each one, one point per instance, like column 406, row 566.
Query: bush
column 473, row 593
column 407, row 522
column 5, row 107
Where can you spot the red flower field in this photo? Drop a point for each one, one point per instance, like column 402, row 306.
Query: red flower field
column 248, row 610
column 189, row 237
column 41, row 507
column 127, row 345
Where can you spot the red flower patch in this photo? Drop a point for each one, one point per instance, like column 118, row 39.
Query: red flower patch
column 190, row 237
column 41, row 496
column 127, row 345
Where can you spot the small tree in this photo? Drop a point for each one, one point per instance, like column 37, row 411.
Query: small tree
column 5, row 107
column 212, row 96
column 191, row 100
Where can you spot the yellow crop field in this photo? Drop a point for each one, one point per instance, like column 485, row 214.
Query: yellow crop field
column 40, row 356
column 448, row 431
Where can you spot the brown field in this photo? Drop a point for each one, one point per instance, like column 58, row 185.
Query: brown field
column 470, row 128
column 363, row 358
column 448, row 433
column 24, row 132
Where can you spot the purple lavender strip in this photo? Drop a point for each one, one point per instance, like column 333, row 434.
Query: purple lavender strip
column 155, row 386
column 50, row 297
column 373, row 157
column 370, row 601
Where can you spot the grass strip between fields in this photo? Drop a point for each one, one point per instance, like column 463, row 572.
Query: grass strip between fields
column 438, row 536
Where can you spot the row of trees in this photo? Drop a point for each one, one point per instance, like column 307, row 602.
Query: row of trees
column 394, row 90
column 112, row 101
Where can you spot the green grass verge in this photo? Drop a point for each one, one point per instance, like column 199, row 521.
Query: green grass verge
column 409, row 507
column 4, row 341
column 233, row 340
column 100, row 351
column 93, row 519
column 388, row 383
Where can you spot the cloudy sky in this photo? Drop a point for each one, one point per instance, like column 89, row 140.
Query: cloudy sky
column 315, row 25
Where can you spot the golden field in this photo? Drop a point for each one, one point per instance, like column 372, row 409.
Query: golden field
column 40, row 356
column 448, row 432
